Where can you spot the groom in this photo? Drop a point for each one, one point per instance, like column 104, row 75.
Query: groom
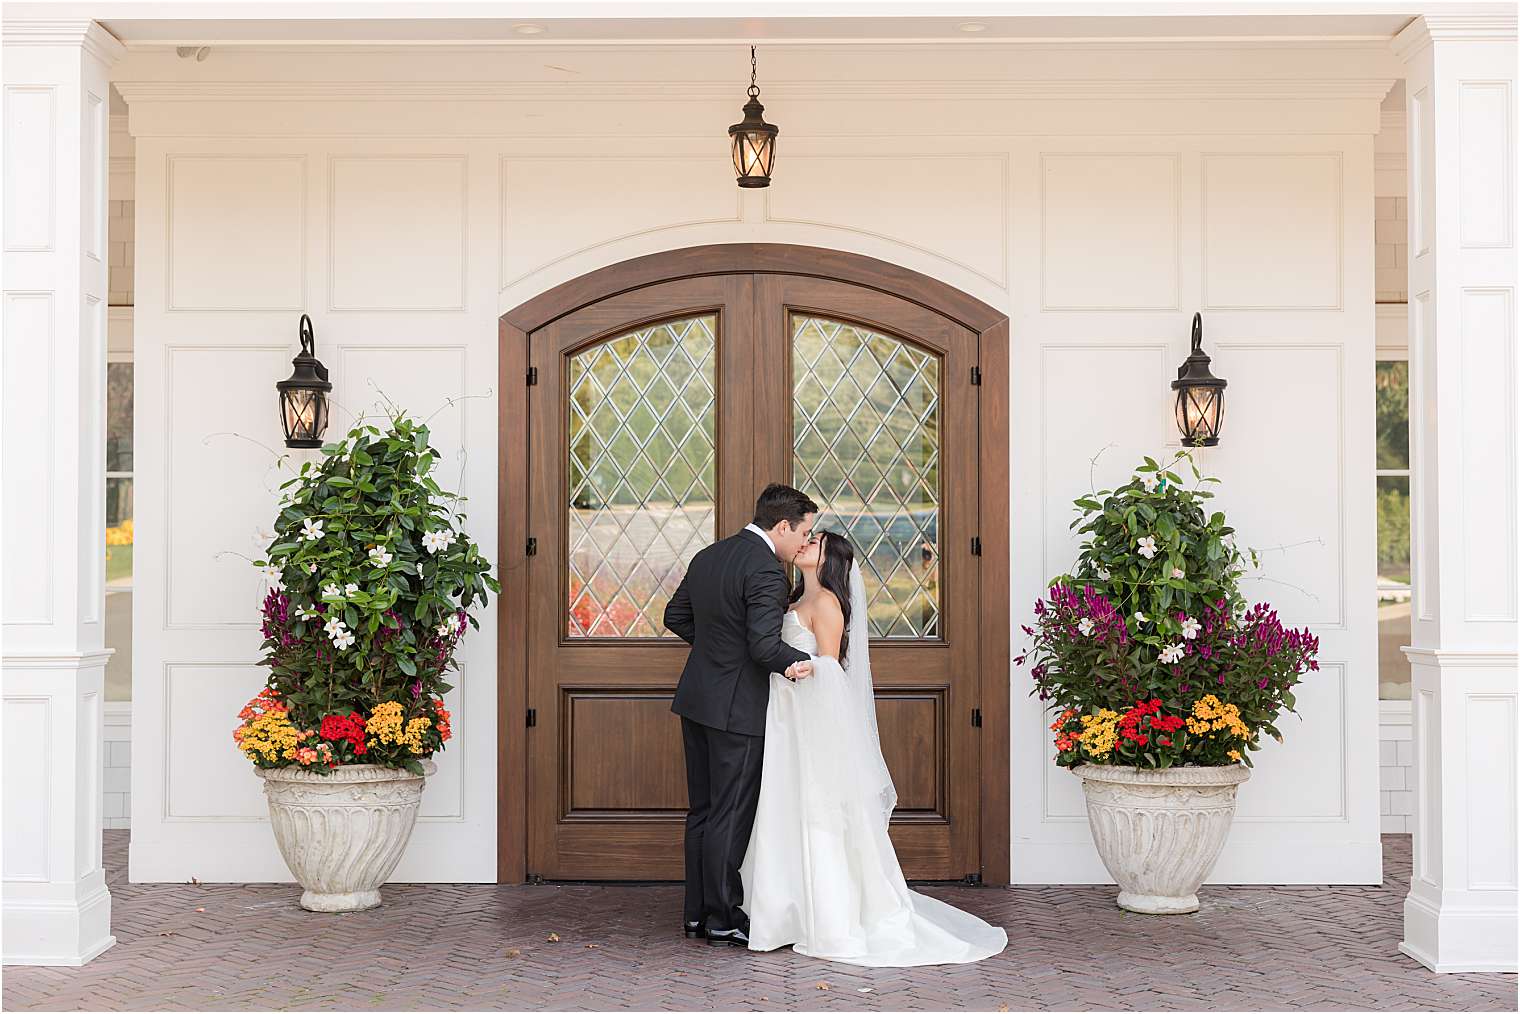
column 729, row 608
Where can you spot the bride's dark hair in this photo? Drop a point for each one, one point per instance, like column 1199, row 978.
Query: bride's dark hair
column 834, row 574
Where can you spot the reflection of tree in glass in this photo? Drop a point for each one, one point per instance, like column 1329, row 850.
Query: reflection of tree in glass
column 640, row 479
column 1393, row 414
column 1393, row 527
column 866, row 441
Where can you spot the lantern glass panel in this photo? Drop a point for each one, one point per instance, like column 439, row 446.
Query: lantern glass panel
column 753, row 152
column 304, row 412
column 1198, row 414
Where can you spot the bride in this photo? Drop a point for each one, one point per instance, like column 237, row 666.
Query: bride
column 821, row 873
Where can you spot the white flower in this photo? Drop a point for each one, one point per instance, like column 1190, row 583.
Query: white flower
column 1085, row 626
column 1146, row 547
column 1149, row 481
column 311, row 530
column 1141, row 617
column 435, row 541
column 1103, row 573
column 1178, row 573
column 1171, row 655
column 343, row 641
column 333, row 627
column 331, row 591
column 419, row 568
column 350, row 588
column 306, row 614
column 311, row 568
column 380, row 556
column 1190, row 628
column 446, row 628
column 273, row 576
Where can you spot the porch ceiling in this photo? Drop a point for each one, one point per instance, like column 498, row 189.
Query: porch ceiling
column 281, row 22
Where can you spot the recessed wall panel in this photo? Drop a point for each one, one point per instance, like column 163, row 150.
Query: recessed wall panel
column 1109, row 232
column 237, row 232
column 1489, row 744
column 953, row 206
column 1485, row 135
column 397, row 233
column 1272, row 231
column 28, row 787
column 1304, row 776
column 553, row 208
column 1103, row 401
column 1488, row 450
column 206, row 776
column 1282, row 474
column 30, row 157
column 222, row 489
column 27, row 478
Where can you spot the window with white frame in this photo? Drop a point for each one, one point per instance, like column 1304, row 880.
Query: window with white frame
column 1393, row 523
column 118, row 627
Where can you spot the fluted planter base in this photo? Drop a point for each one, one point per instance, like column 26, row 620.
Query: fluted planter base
column 343, row 833
column 1159, row 832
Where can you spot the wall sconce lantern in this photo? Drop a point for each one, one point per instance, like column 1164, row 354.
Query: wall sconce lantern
column 754, row 140
column 1200, row 395
column 303, row 397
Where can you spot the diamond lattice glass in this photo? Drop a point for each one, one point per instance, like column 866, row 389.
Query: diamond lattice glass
column 641, row 483
column 865, row 446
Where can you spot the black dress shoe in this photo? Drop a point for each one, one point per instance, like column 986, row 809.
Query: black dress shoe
column 693, row 929
column 727, row 938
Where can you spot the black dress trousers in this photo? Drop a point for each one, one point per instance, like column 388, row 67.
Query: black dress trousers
column 723, row 789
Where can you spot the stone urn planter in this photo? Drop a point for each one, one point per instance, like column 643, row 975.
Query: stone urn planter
column 1160, row 830
column 342, row 833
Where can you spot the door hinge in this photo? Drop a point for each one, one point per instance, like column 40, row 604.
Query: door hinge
column 533, row 376
column 532, row 717
column 531, row 549
column 976, row 545
column 534, row 880
column 976, row 717
column 973, row 879
column 976, row 376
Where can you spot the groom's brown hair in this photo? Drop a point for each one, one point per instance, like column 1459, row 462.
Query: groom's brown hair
column 778, row 503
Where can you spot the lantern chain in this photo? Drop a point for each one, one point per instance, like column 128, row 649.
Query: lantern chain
column 754, row 89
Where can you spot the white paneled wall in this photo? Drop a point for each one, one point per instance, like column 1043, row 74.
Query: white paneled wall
column 405, row 199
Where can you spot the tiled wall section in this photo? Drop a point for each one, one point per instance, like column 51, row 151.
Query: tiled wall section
column 1392, row 249
column 119, row 235
column 116, row 779
column 1395, row 768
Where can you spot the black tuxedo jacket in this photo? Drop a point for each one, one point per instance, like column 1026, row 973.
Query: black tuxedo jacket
column 729, row 609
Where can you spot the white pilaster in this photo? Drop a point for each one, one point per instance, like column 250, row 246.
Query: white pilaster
column 1461, row 911
column 56, row 910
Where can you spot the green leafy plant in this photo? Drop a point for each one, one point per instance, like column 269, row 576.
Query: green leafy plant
column 371, row 582
column 1147, row 648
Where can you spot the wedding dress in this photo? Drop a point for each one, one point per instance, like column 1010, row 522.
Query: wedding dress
column 820, row 873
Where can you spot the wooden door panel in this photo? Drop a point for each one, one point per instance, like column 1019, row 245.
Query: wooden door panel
column 606, row 780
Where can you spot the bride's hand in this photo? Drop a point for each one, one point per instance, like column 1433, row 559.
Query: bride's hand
column 799, row 671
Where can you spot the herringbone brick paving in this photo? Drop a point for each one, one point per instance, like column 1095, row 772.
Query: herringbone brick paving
column 473, row 947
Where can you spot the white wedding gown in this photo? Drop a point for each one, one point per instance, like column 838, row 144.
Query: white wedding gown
column 821, row 873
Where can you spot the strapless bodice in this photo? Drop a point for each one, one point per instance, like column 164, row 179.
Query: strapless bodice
column 795, row 633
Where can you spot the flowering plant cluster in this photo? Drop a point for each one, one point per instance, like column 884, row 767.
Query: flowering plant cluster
column 371, row 582
column 1147, row 651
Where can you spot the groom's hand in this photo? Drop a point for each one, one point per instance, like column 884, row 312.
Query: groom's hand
column 799, row 670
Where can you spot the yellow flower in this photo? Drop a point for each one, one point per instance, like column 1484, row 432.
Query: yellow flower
column 1100, row 732
column 269, row 737
column 386, row 725
column 1234, row 755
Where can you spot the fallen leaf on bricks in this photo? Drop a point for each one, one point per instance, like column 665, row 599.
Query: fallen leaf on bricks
column 864, row 989
column 592, row 947
column 553, row 938
column 1002, row 1006
column 821, row 985
column 512, row 952
column 200, row 910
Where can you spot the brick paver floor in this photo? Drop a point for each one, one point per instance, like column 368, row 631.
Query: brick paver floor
column 471, row 947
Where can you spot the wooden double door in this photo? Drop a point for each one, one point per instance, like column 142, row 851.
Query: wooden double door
column 654, row 418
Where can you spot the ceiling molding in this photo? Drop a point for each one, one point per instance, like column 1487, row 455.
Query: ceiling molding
column 64, row 32
column 1430, row 28
column 1118, row 89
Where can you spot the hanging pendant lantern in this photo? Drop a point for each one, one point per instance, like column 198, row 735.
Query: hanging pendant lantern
column 1200, row 395
column 753, row 140
column 303, row 397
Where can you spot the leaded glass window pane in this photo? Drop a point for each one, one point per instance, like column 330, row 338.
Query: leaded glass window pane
column 641, row 477
column 866, row 447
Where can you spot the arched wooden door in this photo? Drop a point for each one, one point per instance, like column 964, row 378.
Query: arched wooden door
column 654, row 411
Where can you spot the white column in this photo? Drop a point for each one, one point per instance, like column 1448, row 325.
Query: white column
column 1461, row 911
column 56, row 909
